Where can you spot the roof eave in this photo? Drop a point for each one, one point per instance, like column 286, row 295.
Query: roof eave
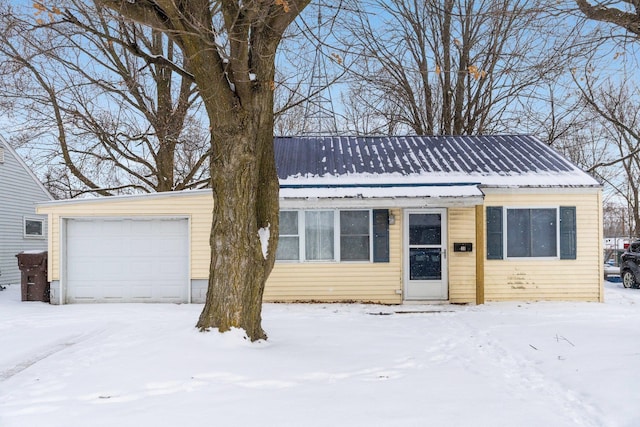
column 379, row 202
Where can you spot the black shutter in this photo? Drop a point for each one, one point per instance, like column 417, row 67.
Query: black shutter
column 494, row 232
column 380, row 235
column 568, row 232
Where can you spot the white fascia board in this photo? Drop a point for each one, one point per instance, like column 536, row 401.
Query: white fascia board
column 380, row 191
column 128, row 197
column 390, row 196
column 540, row 190
column 382, row 203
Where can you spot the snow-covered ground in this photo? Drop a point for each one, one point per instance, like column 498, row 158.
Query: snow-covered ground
column 499, row 364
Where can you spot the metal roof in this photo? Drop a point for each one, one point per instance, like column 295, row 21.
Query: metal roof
column 474, row 157
column 408, row 167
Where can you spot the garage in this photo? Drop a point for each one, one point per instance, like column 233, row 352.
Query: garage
column 127, row 260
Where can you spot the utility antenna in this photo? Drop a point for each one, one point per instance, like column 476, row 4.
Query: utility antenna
column 319, row 116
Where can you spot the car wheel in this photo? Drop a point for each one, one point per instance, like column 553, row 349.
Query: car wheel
column 628, row 279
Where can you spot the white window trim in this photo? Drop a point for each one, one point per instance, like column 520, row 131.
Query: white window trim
column 505, row 235
column 336, row 238
column 303, row 235
column 300, row 251
column 338, row 235
column 32, row 236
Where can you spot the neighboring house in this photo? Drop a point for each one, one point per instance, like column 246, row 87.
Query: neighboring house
column 20, row 228
column 373, row 219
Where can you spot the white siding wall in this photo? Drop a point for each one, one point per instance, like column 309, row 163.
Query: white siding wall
column 19, row 193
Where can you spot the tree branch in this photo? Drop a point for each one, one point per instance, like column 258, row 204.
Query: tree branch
column 600, row 12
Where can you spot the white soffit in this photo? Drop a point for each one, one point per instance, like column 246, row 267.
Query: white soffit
column 388, row 196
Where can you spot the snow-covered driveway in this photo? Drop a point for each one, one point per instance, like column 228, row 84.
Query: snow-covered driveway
column 500, row 364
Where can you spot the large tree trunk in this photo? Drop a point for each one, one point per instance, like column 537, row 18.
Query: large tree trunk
column 245, row 205
column 245, row 200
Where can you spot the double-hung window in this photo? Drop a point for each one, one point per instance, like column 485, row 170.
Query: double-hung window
column 334, row 235
column 289, row 241
column 355, row 229
column 319, row 241
column 531, row 232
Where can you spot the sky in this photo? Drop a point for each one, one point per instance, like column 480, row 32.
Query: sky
column 499, row 364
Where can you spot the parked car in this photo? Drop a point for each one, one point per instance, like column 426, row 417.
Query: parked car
column 611, row 272
column 630, row 268
column 612, row 262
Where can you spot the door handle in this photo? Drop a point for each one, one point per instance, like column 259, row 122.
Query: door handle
column 444, row 253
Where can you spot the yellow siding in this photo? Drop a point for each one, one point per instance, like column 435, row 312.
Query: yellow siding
column 366, row 282
column 198, row 208
column 462, row 265
column 374, row 282
column 555, row 279
column 382, row 282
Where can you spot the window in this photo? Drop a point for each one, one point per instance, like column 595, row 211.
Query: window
column 354, row 236
column 332, row 235
column 289, row 242
column 33, row 227
column 318, row 233
column 531, row 232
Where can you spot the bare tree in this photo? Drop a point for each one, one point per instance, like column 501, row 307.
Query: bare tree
column 615, row 106
column 293, row 67
column 112, row 94
column 231, row 47
column 618, row 220
column 624, row 13
column 447, row 66
column 310, row 65
column 363, row 113
column 615, row 102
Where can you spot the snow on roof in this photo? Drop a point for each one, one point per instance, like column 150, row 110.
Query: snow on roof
column 382, row 192
column 508, row 160
column 575, row 178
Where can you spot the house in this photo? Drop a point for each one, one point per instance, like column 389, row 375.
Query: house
column 389, row 220
column 21, row 229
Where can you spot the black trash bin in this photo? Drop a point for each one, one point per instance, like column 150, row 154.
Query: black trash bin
column 33, row 269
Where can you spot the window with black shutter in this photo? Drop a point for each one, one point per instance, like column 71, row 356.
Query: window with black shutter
column 568, row 232
column 380, row 235
column 531, row 232
column 494, row 232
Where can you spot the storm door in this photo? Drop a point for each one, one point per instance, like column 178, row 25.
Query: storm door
column 425, row 262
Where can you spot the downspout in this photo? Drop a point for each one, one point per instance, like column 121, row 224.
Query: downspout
column 600, row 246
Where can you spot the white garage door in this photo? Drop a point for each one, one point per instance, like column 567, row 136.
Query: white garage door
column 127, row 260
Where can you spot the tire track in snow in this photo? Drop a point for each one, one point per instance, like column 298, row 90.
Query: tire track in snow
column 521, row 373
column 50, row 350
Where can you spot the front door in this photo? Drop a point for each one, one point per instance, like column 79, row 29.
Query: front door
column 425, row 262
